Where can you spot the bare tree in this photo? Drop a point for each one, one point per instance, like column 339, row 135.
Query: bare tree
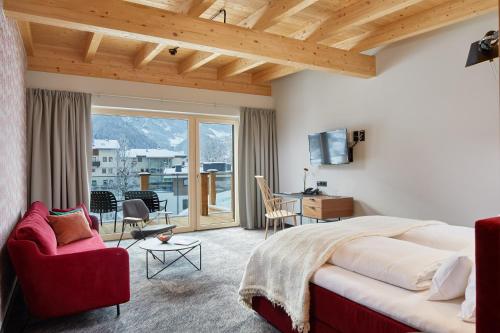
column 124, row 168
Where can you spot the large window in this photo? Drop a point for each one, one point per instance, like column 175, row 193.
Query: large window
column 133, row 152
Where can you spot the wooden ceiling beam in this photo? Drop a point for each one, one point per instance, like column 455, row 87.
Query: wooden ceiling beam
column 150, row 50
column 195, row 61
column 442, row 15
column 200, row 58
column 93, row 41
column 278, row 10
column 358, row 13
column 236, row 67
column 123, row 19
column 147, row 54
column 69, row 61
column 273, row 73
column 198, row 7
column 27, row 37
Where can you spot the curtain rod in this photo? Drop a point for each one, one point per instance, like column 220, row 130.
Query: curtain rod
column 214, row 104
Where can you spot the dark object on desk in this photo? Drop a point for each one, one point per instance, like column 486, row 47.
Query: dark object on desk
column 311, row 191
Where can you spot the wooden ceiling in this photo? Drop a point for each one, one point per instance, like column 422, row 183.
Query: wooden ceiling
column 261, row 40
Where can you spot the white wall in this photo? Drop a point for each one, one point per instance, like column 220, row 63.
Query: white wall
column 433, row 140
column 106, row 93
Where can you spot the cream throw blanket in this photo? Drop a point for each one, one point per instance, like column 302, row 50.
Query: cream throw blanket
column 280, row 268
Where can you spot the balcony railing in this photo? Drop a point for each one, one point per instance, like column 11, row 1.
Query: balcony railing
column 171, row 187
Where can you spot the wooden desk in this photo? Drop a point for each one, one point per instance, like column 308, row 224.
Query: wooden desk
column 322, row 207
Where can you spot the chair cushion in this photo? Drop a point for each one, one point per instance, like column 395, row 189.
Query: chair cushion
column 88, row 244
column 70, row 227
column 151, row 230
column 58, row 211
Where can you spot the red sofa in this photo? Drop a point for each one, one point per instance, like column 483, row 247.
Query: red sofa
column 63, row 280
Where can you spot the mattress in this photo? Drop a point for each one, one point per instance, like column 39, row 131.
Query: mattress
column 408, row 307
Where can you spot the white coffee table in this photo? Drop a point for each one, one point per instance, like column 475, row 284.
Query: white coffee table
column 155, row 245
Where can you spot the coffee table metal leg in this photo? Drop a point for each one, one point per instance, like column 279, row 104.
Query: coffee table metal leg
column 182, row 255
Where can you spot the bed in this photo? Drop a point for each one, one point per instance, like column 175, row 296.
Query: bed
column 342, row 301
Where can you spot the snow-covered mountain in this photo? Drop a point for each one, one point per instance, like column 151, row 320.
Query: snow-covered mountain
column 140, row 132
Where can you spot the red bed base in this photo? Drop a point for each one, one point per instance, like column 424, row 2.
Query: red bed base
column 332, row 313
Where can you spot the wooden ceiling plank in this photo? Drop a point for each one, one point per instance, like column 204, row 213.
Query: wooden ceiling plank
column 195, row 61
column 436, row 17
column 358, row 13
column 279, row 9
column 93, row 41
column 236, row 67
column 27, row 37
column 147, row 54
column 273, row 73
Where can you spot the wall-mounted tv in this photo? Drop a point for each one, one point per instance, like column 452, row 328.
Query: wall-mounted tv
column 330, row 147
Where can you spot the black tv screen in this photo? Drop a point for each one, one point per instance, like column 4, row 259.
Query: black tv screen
column 330, row 147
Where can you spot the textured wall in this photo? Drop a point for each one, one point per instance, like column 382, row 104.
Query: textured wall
column 432, row 145
column 12, row 144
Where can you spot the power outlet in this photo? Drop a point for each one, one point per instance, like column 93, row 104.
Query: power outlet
column 321, row 183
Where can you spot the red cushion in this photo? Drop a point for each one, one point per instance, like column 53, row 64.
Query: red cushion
column 34, row 227
column 87, row 244
column 82, row 206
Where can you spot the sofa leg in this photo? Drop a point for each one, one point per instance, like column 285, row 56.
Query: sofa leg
column 117, row 310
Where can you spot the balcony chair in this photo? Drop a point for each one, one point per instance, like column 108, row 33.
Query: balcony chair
column 136, row 214
column 277, row 210
column 103, row 202
column 152, row 201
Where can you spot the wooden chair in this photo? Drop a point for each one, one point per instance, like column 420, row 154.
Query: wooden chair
column 277, row 210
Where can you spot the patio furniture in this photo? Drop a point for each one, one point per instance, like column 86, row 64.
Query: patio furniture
column 102, row 202
column 152, row 201
column 136, row 214
column 183, row 246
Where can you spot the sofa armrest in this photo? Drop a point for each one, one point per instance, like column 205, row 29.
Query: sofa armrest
column 70, row 283
column 95, row 222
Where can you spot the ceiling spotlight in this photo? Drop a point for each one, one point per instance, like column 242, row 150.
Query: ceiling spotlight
column 485, row 49
column 173, row 51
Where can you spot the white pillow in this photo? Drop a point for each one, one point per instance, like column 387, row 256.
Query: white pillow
column 451, row 278
column 468, row 309
column 440, row 236
column 404, row 264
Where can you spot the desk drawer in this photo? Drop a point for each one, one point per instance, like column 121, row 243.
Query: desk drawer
column 312, row 202
column 312, row 211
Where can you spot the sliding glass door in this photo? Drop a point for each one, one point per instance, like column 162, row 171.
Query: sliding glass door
column 216, row 173
column 186, row 161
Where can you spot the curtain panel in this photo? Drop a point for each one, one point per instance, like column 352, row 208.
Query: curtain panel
column 59, row 147
column 258, row 155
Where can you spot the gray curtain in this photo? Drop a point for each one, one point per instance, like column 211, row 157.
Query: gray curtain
column 59, row 147
column 258, row 155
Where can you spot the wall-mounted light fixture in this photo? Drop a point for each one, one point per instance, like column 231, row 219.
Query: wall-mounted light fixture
column 485, row 49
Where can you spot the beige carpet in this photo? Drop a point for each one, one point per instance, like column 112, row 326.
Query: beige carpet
column 180, row 299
